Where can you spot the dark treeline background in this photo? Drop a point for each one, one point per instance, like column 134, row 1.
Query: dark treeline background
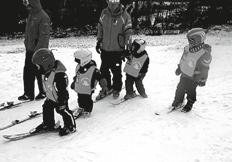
column 155, row 16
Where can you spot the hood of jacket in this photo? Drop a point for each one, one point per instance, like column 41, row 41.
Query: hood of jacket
column 36, row 5
column 117, row 12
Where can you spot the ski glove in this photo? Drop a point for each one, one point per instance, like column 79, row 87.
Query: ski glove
column 98, row 47
column 103, row 84
column 201, row 83
column 72, row 85
column 141, row 76
column 178, row 71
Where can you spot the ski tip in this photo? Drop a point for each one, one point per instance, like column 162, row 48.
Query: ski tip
column 6, row 137
column 157, row 113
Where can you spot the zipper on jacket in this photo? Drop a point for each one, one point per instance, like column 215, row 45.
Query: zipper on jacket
column 110, row 33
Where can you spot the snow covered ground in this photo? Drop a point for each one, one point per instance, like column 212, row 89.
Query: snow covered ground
column 130, row 131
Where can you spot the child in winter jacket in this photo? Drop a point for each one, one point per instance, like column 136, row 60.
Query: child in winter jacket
column 193, row 67
column 55, row 82
column 136, row 68
column 85, row 81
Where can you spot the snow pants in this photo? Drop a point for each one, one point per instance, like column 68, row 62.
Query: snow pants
column 85, row 101
column 48, row 114
column 129, row 83
column 30, row 72
column 112, row 62
column 185, row 86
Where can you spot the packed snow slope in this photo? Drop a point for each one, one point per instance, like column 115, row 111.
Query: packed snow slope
column 130, row 131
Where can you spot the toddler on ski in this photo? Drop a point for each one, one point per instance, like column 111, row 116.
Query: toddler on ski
column 85, row 81
column 136, row 68
column 55, row 82
column 193, row 67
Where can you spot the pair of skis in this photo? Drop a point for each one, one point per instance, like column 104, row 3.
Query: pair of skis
column 11, row 104
column 76, row 113
column 32, row 132
column 171, row 109
column 108, row 94
column 121, row 100
column 118, row 102
column 32, row 115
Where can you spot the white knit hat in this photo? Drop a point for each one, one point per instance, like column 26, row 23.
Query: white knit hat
column 84, row 55
column 196, row 36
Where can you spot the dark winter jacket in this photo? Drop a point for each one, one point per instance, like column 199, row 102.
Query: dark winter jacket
column 37, row 31
column 60, row 83
column 114, row 29
column 195, row 65
column 96, row 74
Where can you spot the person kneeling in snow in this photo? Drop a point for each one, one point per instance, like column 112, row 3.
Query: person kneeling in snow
column 193, row 67
column 85, row 81
column 55, row 82
column 136, row 69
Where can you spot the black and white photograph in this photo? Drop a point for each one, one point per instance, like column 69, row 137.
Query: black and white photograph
column 116, row 81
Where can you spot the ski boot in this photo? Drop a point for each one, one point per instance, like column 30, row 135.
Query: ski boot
column 130, row 95
column 103, row 94
column 144, row 95
column 43, row 127
column 86, row 114
column 24, row 97
column 116, row 94
column 67, row 130
column 77, row 113
column 40, row 96
column 176, row 106
column 187, row 107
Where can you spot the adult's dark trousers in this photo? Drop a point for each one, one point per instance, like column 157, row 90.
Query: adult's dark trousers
column 112, row 63
column 185, row 86
column 48, row 114
column 129, row 83
column 85, row 101
column 30, row 72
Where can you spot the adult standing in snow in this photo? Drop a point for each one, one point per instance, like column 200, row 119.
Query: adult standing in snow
column 37, row 35
column 193, row 67
column 114, row 32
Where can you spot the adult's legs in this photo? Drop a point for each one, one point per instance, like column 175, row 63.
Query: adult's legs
column 29, row 74
column 116, row 69
column 39, row 81
column 105, row 68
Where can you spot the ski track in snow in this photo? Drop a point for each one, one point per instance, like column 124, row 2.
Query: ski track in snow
column 130, row 131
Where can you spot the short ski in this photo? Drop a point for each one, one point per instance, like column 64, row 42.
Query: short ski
column 32, row 132
column 33, row 114
column 12, row 104
column 103, row 97
column 118, row 102
column 171, row 110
